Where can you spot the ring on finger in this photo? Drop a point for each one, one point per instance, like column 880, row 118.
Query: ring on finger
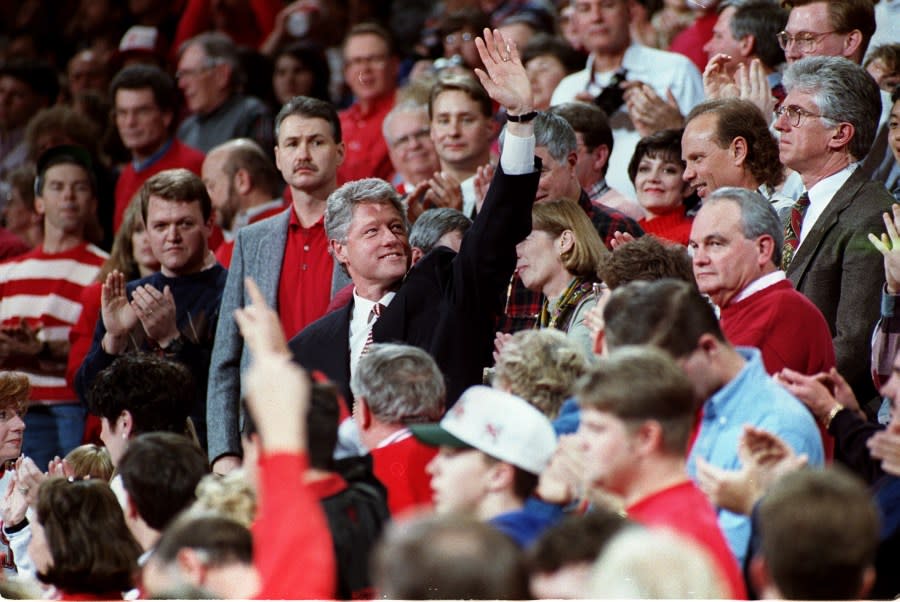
column 23, row 490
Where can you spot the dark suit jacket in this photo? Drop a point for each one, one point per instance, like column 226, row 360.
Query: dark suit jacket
column 447, row 302
column 840, row 271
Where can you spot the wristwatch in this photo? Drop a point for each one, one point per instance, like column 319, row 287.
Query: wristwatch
column 523, row 118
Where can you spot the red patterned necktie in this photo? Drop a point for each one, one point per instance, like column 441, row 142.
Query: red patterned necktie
column 373, row 317
column 792, row 231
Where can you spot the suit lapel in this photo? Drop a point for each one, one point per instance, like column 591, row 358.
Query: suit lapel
column 268, row 255
column 810, row 245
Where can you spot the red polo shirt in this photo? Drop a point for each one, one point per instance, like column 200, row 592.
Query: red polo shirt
column 366, row 153
column 304, row 289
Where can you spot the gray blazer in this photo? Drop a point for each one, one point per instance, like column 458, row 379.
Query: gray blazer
column 840, row 271
column 258, row 253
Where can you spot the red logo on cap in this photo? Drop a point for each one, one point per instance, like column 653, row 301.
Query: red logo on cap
column 493, row 431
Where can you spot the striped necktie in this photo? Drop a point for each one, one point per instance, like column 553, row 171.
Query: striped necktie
column 373, row 317
column 792, row 231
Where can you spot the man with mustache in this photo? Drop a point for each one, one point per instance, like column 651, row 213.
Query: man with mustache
column 287, row 255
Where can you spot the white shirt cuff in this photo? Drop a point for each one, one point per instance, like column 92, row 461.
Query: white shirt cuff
column 517, row 156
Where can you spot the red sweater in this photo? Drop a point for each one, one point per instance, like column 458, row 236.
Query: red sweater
column 784, row 325
column 400, row 466
column 673, row 227
column 130, row 181
column 292, row 546
column 684, row 509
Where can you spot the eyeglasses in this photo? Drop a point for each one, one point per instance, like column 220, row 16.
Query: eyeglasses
column 418, row 135
column 806, row 41
column 795, row 114
column 183, row 73
column 375, row 60
column 454, row 38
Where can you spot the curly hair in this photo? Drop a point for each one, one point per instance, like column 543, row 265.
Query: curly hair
column 646, row 258
column 231, row 496
column 15, row 388
column 540, row 366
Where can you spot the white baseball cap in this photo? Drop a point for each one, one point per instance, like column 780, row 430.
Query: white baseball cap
column 499, row 424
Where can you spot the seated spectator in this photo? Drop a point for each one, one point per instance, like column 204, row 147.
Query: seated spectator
column 300, row 69
column 458, row 31
column 18, row 213
column 593, row 145
column 157, row 479
column 561, row 561
column 634, row 432
column 492, row 447
column 736, row 243
column 137, row 394
column 655, row 170
column 448, row 557
column 26, row 86
column 393, row 386
column 640, row 564
column 212, row 553
column 541, row 367
column 883, row 64
column 80, row 544
column 805, row 516
column 646, row 258
column 145, row 105
column 410, row 147
column 370, row 71
column 560, row 259
column 548, row 59
column 89, row 461
column 730, row 383
column 210, row 77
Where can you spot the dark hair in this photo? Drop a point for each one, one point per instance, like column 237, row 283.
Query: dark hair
column 322, row 422
column 473, row 19
column 138, row 77
column 737, row 118
column 546, row 44
column 761, row 19
column 663, row 144
column 845, row 16
column 449, row 557
column 309, row 108
column 93, row 550
column 646, row 258
column 887, row 53
column 462, row 83
column 66, row 154
column 157, row 392
column 36, row 74
column 669, row 314
column 313, row 59
column 176, row 185
column 576, row 539
column 223, row 540
column 819, row 531
column 617, row 384
column 588, row 120
column 524, row 482
column 160, row 472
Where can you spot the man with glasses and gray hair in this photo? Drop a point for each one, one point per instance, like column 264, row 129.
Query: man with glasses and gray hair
column 827, row 124
column 211, row 79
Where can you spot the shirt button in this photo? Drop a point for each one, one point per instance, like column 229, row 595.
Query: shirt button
column 306, row 247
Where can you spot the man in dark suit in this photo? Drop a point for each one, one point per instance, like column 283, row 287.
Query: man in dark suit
column 827, row 123
column 447, row 303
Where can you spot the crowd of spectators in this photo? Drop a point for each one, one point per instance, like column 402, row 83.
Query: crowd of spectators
column 492, row 299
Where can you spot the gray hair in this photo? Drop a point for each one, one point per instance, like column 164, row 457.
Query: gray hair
column 219, row 50
column 407, row 106
column 843, row 92
column 400, row 384
column 554, row 133
column 435, row 223
column 341, row 202
column 758, row 216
